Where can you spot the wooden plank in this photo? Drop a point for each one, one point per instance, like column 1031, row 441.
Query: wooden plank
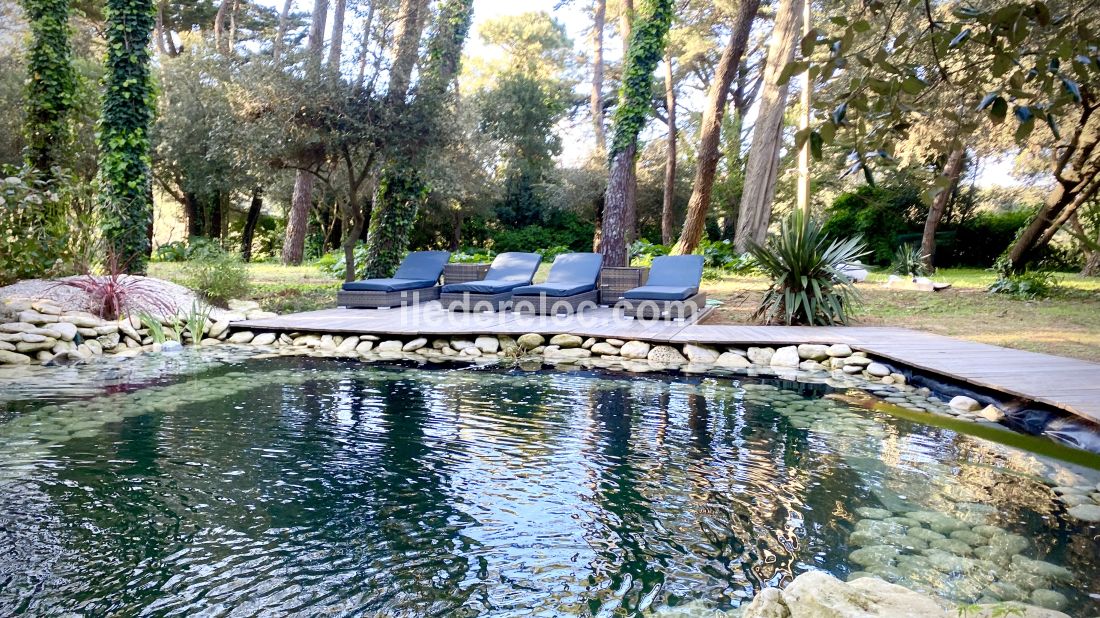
column 1069, row 384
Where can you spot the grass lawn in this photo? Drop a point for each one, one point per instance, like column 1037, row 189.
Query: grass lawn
column 1067, row 324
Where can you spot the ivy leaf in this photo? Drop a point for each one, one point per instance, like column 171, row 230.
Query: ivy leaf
column 861, row 26
column 1072, row 88
column 913, row 85
column 815, row 145
column 840, row 114
column 792, row 69
column 808, row 42
column 1024, row 130
column 998, row 110
column 1023, row 113
column 960, row 38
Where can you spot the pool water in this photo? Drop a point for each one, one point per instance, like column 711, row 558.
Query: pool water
column 319, row 487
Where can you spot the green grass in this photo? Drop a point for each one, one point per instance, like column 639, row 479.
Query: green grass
column 1067, row 324
column 283, row 289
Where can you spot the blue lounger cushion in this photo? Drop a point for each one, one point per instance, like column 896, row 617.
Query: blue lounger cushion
column 571, row 273
column 661, row 292
column 671, row 277
column 482, row 287
column 508, row 271
column 419, row 269
column 388, row 285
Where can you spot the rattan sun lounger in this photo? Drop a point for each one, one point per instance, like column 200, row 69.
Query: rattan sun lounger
column 414, row 282
column 493, row 293
column 670, row 293
column 569, row 288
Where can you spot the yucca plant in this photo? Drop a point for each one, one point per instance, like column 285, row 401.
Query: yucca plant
column 909, row 261
column 804, row 265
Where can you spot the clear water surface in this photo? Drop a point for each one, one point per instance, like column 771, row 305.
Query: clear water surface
column 219, row 486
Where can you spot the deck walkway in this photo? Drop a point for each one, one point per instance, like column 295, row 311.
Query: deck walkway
column 1069, row 384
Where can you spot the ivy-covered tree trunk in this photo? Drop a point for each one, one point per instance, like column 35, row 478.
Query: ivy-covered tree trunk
column 402, row 189
column 667, row 214
column 763, row 165
column 647, row 46
column 51, row 84
column 713, row 113
column 125, row 195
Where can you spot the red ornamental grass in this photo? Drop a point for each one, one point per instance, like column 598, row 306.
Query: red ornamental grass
column 113, row 294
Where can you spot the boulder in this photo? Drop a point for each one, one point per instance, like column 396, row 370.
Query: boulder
column 459, row 344
column 760, row 356
column 65, row 330
column 785, row 357
column 732, row 360
column 487, row 344
column 243, row 336
column 35, row 317
column 508, row 345
column 566, row 341
column 530, row 341
column 665, row 355
column 414, row 345
column 992, row 413
column 81, row 319
column 700, row 353
column 26, row 347
column 878, row 370
column 94, row 346
column 813, row 351
column 635, row 350
column 604, row 349
column 963, row 403
column 46, row 307
column 13, row 358
column 839, row 350
column 17, row 327
column 264, row 339
column 389, row 346
column 217, row 329
column 8, row 346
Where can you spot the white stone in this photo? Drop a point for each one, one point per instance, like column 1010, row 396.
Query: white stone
column 471, row 351
column 555, row 352
column 565, row 340
column 878, row 370
column 487, row 344
column 992, row 413
column 243, row 336
column 17, row 327
column 1085, row 512
column 964, row 403
column 217, row 329
column 616, row 342
column 264, row 339
column 839, row 350
column 414, row 345
column 12, row 358
column 242, row 305
column 635, row 350
column 666, row 355
column 35, row 317
column 66, row 330
column 94, row 346
column 588, row 343
column 604, row 349
column 700, row 353
column 760, row 356
column 785, row 357
column 461, row 344
column 530, row 341
column 364, row 346
column 813, row 351
column 85, row 320
column 810, row 365
column 257, row 314
column 347, row 345
column 390, row 346
column 732, row 360
column 859, row 361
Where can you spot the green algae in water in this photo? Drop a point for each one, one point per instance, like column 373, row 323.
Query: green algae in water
column 312, row 486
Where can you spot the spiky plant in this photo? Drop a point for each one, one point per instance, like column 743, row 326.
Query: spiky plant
column 116, row 293
column 807, row 283
column 909, row 261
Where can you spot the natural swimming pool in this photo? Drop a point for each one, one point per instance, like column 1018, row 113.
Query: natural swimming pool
column 209, row 483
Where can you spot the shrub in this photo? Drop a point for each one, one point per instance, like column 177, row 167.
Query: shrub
column 1028, row 285
column 880, row 215
column 807, row 285
column 334, row 264
column 721, row 255
column 116, row 293
column 218, row 277
column 909, row 261
column 196, row 248
column 472, row 255
column 33, row 229
column 980, row 240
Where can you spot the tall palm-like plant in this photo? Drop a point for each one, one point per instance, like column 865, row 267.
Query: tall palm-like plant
column 805, row 266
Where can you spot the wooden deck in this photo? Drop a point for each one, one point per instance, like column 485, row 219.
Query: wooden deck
column 1068, row 384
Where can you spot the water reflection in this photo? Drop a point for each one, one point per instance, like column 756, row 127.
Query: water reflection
column 309, row 486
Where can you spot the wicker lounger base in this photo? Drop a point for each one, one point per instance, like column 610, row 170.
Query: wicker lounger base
column 554, row 305
column 378, row 300
column 476, row 303
column 663, row 309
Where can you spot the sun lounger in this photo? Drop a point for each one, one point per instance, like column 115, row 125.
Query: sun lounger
column 671, row 292
column 493, row 293
column 570, row 286
column 414, row 282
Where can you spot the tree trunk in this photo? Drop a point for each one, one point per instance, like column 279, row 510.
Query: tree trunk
column 294, row 244
column 951, row 170
column 763, row 165
column 597, row 236
column 368, row 23
column 284, row 20
column 336, row 46
column 219, row 26
column 626, row 19
column 667, row 219
column 250, row 223
column 596, row 100
column 804, row 125
column 318, row 21
column 409, row 27
column 158, row 30
column 621, row 185
column 647, row 46
column 1090, row 248
column 194, row 215
column 233, row 27
column 707, row 158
